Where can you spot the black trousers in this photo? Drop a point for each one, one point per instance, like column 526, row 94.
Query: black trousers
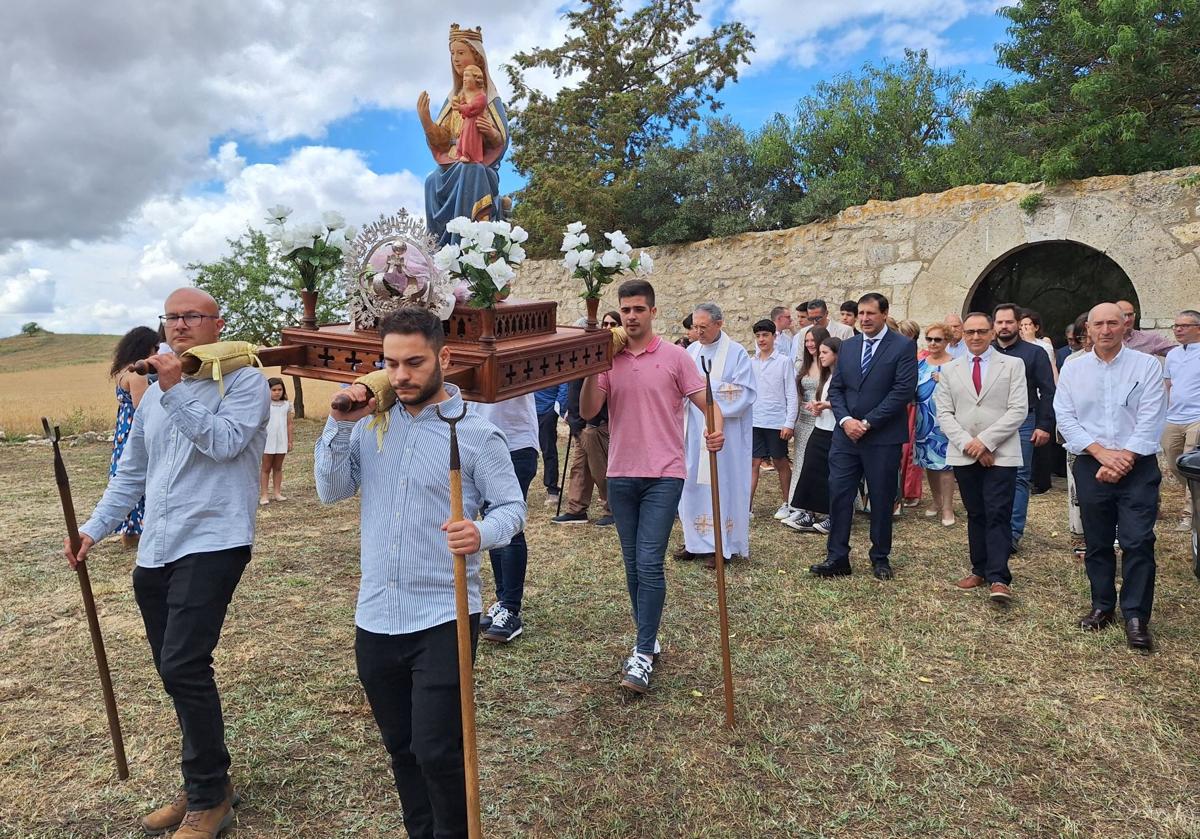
column 1128, row 511
column 183, row 607
column 812, row 489
column 847, row 463
column 548, row 442
column 987, row 493
column 411, row 681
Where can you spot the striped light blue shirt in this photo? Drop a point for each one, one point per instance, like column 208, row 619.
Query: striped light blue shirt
column 196, row 456
column 407, row 570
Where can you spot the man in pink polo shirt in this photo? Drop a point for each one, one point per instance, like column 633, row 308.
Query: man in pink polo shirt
column 645, row 390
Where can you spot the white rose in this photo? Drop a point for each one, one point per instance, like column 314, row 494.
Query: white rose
column 584, row 238
column 571, row 260
column 576, row 227
column 645, row 263
column 586, row 257
column 570, row 242
column 474, row 259
column 619, row 242
column 351, row 232
column 278, row 213
column 518, row 234
column 500, row 272
column 447, row 258
column 610, row 259
column 310, row 231
column 459, row 226
column 516, row 255
column 482, row 239
column 501, row 227
column 333, row 221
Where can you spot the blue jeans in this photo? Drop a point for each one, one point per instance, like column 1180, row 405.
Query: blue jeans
column 1024, row 479
column 644, row 510
column 509, row 562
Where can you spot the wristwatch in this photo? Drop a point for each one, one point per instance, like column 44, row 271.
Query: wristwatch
column 866, row 425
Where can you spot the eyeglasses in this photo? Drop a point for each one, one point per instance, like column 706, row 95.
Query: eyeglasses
column 608, row 323
column 1184, row 325
column 930, row 340
column 976, row 331
column 191, row 318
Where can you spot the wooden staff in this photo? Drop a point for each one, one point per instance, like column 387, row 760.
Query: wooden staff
column 466, row 677
column 89, row 602
column 710, row 421
column 267, row 356
column 562, row 484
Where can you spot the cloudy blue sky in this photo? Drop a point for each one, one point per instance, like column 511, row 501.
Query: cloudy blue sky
column 141, row 134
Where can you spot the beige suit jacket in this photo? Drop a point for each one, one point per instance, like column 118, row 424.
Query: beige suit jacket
column 994, row 415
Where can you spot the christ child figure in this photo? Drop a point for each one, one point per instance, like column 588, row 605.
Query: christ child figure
column 470, row 104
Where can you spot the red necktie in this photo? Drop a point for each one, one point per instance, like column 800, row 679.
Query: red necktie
column 976, row 377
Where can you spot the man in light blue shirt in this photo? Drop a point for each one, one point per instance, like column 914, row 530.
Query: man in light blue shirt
column 1182, row 374
column 405, row 645
column 1111, row 408
column 195, row 453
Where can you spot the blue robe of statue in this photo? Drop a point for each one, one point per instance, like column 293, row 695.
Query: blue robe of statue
column 455, row 188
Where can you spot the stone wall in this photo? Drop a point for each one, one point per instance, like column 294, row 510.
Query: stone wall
column 927, row 254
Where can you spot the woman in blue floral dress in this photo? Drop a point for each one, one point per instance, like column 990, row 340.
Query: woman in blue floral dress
column 139, row 343
column 929, row 450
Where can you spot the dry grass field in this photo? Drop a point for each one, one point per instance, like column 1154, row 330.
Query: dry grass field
column 65, row 378
column 864, row 709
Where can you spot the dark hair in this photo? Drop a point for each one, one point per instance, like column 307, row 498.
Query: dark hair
column 136, row 344
column 850, row 306
column 614, row 315
column 275, row 380
column 687, row 321
column 411, row 320
column 1035, row 318
column 834, row 343
column 802, row 307
column 983, row 315
column 1079, row 327
column 764, row 325
column 876, row 298
column 1016, row 310
column 818, row 304
column 819, row 334
column 636, row 288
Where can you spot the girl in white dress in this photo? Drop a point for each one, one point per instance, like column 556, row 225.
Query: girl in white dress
column 279, row 441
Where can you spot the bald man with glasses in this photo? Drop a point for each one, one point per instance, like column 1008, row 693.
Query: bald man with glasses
column 1182, row 379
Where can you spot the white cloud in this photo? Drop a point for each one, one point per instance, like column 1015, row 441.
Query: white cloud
column 28, row 293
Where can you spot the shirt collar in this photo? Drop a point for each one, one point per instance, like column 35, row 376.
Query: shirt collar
column 451, row 407
column 878, row 337
column 986, row 355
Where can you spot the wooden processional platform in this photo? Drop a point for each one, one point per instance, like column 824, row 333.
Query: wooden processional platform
column 495, row 354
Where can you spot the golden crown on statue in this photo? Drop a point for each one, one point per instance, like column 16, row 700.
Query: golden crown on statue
column 458, row 33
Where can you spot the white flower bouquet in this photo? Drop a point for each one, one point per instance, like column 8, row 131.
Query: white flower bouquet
column 314, row 248
column 597, row 271
column 484, row 258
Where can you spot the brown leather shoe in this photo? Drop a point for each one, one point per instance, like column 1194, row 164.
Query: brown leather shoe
column 683, row 555
column 166, row 817
column 170, row 815
column 1096, row 620
column 970, row 581
column 206, row 824
column 1137, row 635
column 1000, row 593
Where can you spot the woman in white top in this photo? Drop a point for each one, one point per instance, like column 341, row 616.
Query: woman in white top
column 812, row 488
column 1031, row 331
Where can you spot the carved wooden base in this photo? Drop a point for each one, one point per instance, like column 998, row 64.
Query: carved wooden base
column 529, row 351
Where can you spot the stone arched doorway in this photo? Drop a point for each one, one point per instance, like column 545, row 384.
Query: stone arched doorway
column 1060, row 280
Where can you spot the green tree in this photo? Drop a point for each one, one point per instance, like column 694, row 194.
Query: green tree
column 257, row 292
column 878, row 135
column 1107, row 87
column 722, row 181
column 633, row 79
column 32, row 328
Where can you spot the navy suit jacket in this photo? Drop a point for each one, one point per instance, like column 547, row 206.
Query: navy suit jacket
column 882, row 396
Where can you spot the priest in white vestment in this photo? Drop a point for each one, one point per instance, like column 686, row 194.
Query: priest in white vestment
column 733, row 390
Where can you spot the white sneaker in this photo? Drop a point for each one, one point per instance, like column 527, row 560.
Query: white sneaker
column 783, row 512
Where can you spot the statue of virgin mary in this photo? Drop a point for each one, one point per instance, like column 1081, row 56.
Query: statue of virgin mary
column 459, row 187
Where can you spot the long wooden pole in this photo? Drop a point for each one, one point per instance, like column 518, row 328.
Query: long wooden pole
column 710, row 421
column 566, row 467
column 89, row 602
column 466, row 675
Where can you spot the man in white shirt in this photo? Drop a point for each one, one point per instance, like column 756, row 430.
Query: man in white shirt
column 1182, row 376
column 781, row 317
column 1111, row 406
column 774, row 411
